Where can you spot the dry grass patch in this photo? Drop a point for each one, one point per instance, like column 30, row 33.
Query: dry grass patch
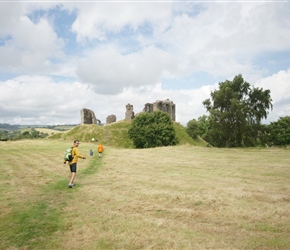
column 185, row 198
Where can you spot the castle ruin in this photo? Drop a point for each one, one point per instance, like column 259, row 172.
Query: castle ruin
column 111, row 119
column 88, row 116
column 129, row 115
column 164, row 106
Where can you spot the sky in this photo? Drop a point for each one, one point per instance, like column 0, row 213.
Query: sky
column 58, row 57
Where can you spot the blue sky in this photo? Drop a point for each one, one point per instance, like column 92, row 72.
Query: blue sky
column 58, row 57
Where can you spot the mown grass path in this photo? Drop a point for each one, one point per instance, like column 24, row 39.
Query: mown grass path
column 34, row 193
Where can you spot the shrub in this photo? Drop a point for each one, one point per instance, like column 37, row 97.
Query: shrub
column 149, row 130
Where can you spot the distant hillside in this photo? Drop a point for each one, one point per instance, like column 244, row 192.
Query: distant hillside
column 116, row 134
column 6, row 126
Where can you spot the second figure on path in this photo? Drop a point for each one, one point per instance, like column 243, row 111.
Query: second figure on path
column 100, row 150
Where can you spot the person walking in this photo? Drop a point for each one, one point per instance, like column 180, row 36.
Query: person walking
column 100, row 150
column 73, row 163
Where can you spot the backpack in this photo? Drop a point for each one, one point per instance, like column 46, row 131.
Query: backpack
column 68, row 154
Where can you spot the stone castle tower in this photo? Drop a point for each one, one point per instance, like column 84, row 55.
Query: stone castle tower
column 129, row 115
column 165, row 106
column 88, row 116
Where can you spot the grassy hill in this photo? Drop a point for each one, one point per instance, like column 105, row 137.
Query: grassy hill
column 116, row 134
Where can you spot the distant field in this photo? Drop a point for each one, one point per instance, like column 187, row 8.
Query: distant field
column 57, row 129
column 48, row 131
column 181, row 197
column 64, row 127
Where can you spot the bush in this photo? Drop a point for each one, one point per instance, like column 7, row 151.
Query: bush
column 149, row 130
column 193, row 128
column 279, row 132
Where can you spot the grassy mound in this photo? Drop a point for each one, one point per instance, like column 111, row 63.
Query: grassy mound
column 116, row 134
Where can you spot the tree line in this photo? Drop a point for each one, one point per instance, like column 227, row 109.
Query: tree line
column 19, row 135
column 235, row 116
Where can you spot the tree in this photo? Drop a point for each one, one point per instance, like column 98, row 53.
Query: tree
column 279, row 132
column 236, row 110
column 34, row 133
column 192, row 128
column 150, row 130
column 26, row 134
column 198, row 128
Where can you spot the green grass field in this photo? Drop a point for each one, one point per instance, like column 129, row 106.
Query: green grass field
column 182, row 197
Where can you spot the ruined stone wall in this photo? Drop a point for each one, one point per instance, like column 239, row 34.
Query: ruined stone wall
column 129, row 115
column 148, row 108
column 165, row 106
column 111, row 119
column 88, row 116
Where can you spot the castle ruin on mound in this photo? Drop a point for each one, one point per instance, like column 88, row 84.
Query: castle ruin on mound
column 166, row 106
column 88, row 116
column 129, row 115
column 111, row 119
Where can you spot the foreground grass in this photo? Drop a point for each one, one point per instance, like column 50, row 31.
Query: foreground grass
column 180, row 197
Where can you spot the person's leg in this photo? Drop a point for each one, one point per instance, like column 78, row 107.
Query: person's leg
column 73, row 169
column 72, row 178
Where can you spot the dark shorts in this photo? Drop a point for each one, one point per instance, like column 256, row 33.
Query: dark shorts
column 73, row 167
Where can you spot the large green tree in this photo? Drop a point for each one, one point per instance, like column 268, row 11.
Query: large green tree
column 149, row 130
column 236, row 110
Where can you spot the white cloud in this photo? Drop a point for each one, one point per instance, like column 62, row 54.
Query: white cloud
column 124, row 53
column 214, row 36
column 279, row 85
column 110, row 71
column 27, row 46
column 225, row 38
column 37, row 99
column 98, row 20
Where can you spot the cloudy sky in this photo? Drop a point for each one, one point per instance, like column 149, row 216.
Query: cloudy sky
column 58, row 57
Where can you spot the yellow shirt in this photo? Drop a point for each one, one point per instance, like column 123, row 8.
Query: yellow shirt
column 76, row 155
